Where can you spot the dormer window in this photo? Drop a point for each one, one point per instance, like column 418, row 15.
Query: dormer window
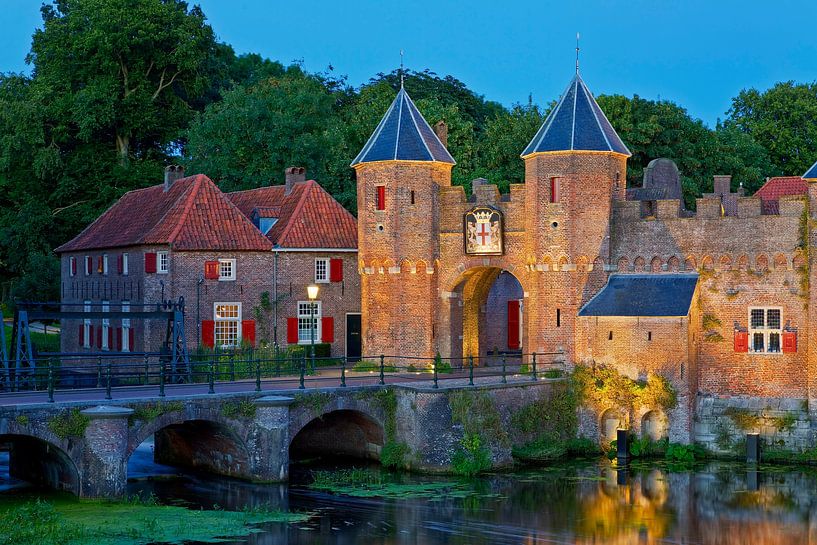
column 265, row 224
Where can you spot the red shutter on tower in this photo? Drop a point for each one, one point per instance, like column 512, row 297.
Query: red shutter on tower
column 208, row 333
column 73, row 266
column 327, row 329
column 335, row 270
column 292, row 330
column 554, row 190
column 789, row 342
column 211, row 270
column 513, row 324
column 741, row 341
column 381, row 197
column 248, row 331
column 119, row 266
column 130, row 339
column 81, row 335
column 150, row 262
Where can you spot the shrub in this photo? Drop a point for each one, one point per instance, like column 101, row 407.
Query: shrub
column 472, row 457
column 744, row 419
column 69, row 424
column 393, row 454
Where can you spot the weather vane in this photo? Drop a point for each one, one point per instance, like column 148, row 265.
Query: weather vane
column 577, row 52
column 401, row 68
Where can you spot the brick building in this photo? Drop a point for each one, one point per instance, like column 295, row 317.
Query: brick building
column 241, row 261
column 571, row 262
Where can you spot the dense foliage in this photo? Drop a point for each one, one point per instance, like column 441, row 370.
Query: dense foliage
column 120, row 89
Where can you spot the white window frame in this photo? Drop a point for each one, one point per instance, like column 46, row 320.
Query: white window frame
column 222, row 265
column 88, row 265
column 105, row 264
column 304, row 334
column 71, row 265
column 767, row 332
column 126, row 347
column 219, row 321
column 106, row 325
column 322, row 262
column 125, row 264
column 86, row 325
column 163, row 262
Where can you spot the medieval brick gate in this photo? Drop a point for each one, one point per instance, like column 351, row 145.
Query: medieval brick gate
column 84, row 448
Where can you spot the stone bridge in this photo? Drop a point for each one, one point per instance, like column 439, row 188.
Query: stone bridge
column 84, row 447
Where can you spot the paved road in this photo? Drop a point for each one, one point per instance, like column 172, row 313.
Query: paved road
column 326, row 379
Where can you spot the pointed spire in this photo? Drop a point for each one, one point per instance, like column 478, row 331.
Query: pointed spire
column 811, row 174
column 402, row 74
column 576, row 124
column 577, row 53
column 403, row 135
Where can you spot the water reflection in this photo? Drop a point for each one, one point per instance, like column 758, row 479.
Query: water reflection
column 577, row 503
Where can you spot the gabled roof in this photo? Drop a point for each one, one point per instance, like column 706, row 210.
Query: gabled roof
column 654, row 295
column 777, row 187
column 811, row 174
column 308, row 217
column 192, row 215
column 576, row 124
column 403, row 135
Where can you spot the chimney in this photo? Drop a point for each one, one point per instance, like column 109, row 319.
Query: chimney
column 722, row 184
column 172, row 173
column 293, row 175
column 441, row 130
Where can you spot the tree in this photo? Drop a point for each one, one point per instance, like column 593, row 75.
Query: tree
column 781, row 120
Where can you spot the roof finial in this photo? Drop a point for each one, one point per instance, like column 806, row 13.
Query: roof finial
column 577, row 53
column 401, row 68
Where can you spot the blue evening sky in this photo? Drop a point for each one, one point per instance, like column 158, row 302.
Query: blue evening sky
column 694, row 52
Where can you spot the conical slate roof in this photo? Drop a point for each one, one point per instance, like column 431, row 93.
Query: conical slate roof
column 403, row 135
column 576, row 123
column 811, row 174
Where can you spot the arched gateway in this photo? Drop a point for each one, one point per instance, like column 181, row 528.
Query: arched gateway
column 430, row 257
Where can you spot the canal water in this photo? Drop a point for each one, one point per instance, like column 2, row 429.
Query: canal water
column 579, row 502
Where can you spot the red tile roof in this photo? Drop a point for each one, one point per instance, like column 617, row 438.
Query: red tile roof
column 774, row 188
column 192, row 215
column 308, row 217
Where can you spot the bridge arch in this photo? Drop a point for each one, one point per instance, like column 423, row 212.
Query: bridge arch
column 40, row 461
column 346, row 433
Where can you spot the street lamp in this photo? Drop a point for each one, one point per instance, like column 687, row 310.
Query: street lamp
column 312, row 293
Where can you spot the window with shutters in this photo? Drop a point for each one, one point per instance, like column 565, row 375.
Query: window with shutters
column 322, row 270
column 125, row 264
column 765, row 330
column 163, row 262
column 126, row 347
column 227, row 317
column 226, row 269
column 306, row 327
column 86, row 327
column 106, row 325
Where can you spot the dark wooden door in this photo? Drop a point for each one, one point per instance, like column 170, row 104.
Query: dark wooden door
column 353, row 337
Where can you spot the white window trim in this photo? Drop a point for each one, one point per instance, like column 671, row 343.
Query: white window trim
column 105, row 264
column 71, row 265
column 88, row 264
column 325, row 261
column 230, row 278
column 125, row 264
column 217, row 320
column 126, row 347
column 765, row 331
column 159, row 256
column 305, row 316
column 106, row 325
column 86, row 325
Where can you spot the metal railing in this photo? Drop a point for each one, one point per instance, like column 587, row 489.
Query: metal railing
column 251, row 370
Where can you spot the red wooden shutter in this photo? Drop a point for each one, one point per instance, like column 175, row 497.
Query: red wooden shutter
column 335, row 270
column 513, row 324
column 150, row 262
column 789, row 342
column 208, row 333
column 248, row 331
column 211, row 270
column 81, row 335
column 119, row 339
column 292, row 330
column 381, row 197
column 554, row 190
column 130, row 339
column 327, row 329
column 119, row 267
column 99, row 337
column 110, row 338
column 741, row 341
column 73, row 266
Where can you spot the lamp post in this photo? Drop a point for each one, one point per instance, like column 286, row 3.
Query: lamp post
column 312, row 293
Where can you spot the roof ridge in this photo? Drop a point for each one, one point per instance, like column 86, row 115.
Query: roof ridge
column 194, row 190
column 296, row 212
column 160, row 221
column 263, row 187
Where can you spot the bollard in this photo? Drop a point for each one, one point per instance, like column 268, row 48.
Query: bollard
column 752, row 448
column 50, row 383
column 533, row 367
column 382, row 369
column 161, row 379
column 622, row 446
column 212, row 378
column 108, row 382
column 434, row 366
column 343, row 372
column 504, row 375
column 470, row 370
column 258, row 374
column 303, row 368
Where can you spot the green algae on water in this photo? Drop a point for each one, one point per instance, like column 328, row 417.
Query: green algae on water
column 363, row 483
column 78, row 522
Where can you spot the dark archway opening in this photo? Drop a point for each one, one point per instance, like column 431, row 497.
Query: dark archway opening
column 38, row 463
column 487, row 317
column 338, row 435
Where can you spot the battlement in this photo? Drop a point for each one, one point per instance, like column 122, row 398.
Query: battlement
column 708, row 208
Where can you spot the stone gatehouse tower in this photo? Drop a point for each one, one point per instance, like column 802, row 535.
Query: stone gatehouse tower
column 432, row 260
